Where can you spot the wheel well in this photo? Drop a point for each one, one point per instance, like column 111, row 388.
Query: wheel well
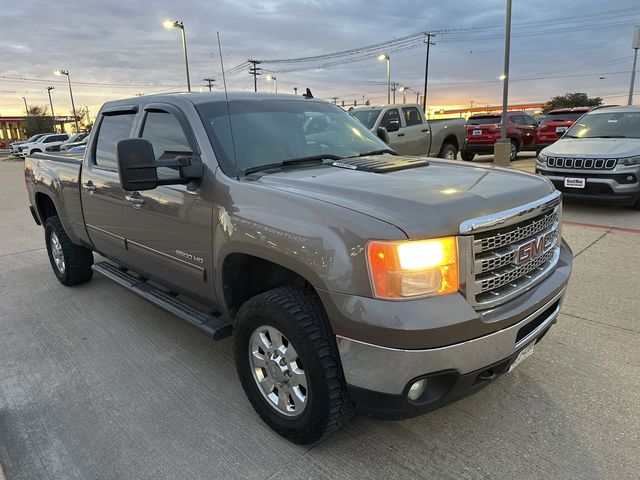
column 245, row 276
column 45, row 207
column 451, row 139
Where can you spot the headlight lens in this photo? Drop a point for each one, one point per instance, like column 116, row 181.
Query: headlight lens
column 408, row 269
column 542, row 159
column 631, row 161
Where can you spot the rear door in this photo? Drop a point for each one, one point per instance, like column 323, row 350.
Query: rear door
column 417, row 132
column 169, row 229
column 100, row 191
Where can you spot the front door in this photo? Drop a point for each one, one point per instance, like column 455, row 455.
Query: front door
column 416, row 130
column 101, row 193
column 169, row 229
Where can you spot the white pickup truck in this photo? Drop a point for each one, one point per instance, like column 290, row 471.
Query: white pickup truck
column 50, row 140
column 409, row 133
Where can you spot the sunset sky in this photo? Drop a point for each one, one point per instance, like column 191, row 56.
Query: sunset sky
column 118, row 49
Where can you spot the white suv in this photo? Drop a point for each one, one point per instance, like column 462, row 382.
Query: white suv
column 43, row 142
column 598, row 158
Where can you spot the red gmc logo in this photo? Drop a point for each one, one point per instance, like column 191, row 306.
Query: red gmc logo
column 534, row 248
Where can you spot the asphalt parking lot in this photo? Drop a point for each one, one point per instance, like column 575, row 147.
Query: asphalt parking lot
column 97, row 384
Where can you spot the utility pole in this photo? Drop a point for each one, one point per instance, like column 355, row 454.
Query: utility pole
column 426, row 69
column 394, row 87
column 335, row 100
column 255, row 71
column 26, row 109
column 209, row 82
column 635, row 46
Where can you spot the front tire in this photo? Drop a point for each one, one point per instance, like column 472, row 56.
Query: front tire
column 288, row 363
column 71, row 263
column 513, row 154
column 448, row 151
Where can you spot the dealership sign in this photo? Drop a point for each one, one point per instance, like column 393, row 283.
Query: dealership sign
column 66, row 119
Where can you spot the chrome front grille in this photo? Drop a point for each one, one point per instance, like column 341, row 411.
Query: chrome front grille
column 583, row 163
column 510, row 251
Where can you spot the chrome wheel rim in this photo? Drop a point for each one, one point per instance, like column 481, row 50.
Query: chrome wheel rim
column 513, row 150
column 278, row 371
column 449, row 155
column 56, row 252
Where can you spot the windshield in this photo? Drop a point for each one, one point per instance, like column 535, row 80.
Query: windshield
column 35, row 137
column 267, row 132
column 563, row 117
column 485, row 120
column 367, row 117
column 607, row 124
column 76, row 138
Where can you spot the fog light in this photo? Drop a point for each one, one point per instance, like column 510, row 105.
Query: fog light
column 417, row 389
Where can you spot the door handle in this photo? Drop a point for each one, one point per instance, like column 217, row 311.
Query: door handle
column 401, row 134
column 136, row 200
column 425, row 130
column 89, row 187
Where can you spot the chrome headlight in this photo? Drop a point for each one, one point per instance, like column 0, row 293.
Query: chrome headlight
column 631, row 160
column 542, row 159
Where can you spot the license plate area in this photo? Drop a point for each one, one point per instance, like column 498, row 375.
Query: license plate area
column 477, row 132
column 571, row 182
column 561, row 129
column 524, row 353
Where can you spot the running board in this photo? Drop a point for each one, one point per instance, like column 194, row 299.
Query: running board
column 216, row 328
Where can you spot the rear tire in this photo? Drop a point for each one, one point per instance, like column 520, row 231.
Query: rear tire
column 71, row 263
column 296, row 316
column 514, row 150
column 467, row 156
column 448, row 151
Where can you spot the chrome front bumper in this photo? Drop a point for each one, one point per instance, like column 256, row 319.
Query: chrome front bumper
column 389, row 370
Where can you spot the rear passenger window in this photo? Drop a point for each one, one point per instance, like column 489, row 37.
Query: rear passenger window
column 113, row 128
column 411, row 116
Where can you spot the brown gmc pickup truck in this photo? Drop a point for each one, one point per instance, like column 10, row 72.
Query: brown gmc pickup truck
column 354, row 280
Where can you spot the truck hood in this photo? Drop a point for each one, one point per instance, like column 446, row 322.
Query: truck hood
column 595, row 147
column 428, row 201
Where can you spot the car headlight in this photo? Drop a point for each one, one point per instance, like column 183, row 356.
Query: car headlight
column 542, row 159
column 413, row 268
column 631, row 161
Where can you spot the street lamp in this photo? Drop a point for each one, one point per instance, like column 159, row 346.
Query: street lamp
column 180, row 25
column 275, row 80
column 53, row 115
column 382, row 57
column 404, row 93
column 73, row 105
column 26, row 109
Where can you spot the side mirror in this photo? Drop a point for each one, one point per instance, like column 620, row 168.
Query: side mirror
column 393, row 126
column 137, row 166
column 382, row 134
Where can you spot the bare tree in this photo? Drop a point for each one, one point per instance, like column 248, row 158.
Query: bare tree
column 38, row 120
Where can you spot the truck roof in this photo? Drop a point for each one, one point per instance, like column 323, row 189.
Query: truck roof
column 206, row 97
column 617, row 109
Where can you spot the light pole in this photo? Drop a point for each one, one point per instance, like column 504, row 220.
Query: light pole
column 635, row 46
column 502, row 148
column 275, row 81
column 180, row 25
column 26, row 109
column 404, row 93
column 73, row 105
column 53, row 115
column 382, row 57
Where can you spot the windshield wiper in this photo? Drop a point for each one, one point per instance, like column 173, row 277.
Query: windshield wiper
column 292, row 161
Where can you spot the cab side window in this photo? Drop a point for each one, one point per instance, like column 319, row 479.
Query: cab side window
column 169, row 141
column 411, row 116
column 390, row 116
column 165, row 133
column 113, row 128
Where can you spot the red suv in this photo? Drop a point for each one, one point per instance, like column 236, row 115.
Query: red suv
column 555, row 123
column 483, row 131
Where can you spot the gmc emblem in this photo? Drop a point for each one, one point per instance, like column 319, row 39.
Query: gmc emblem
column 534, row 248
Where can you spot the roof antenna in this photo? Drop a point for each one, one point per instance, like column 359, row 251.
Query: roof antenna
column 308, row 94
column 226, row 96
